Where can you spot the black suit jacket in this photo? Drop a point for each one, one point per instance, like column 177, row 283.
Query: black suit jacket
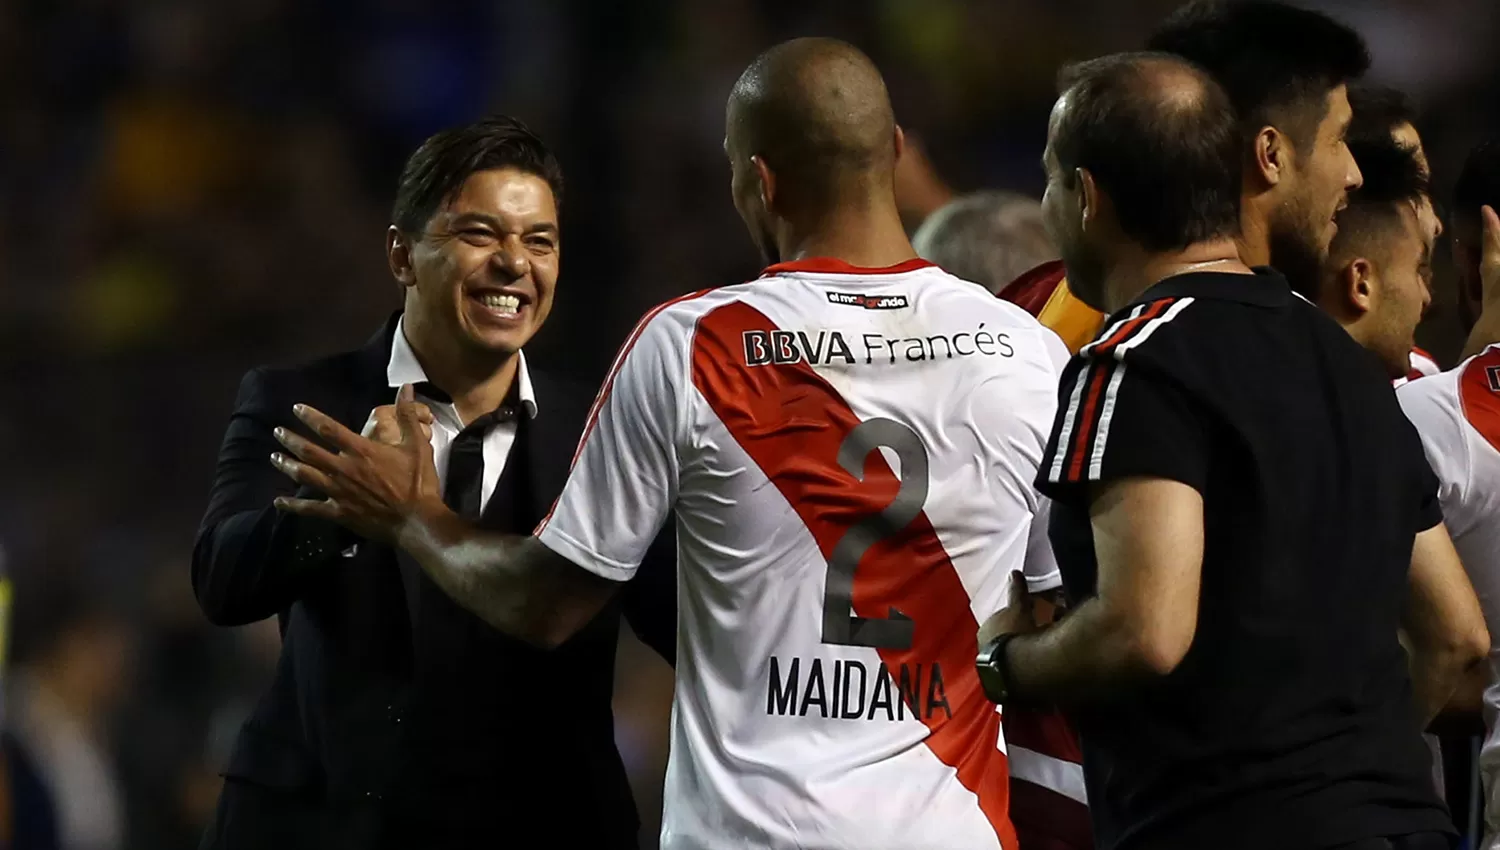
column 358, row 741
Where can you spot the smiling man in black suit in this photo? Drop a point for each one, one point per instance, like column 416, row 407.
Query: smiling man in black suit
column 397, row 718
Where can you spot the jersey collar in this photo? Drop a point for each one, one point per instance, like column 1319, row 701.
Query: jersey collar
column 1265, row 288
column 832, row 265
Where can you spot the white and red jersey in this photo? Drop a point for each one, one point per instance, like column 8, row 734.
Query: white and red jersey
column 1422, row 365
column 1457, row 414
column 849, row 456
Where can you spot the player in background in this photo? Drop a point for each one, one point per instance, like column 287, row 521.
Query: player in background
column 1375, row 283
column 1382, row 115
column 847, row 445
column 990, row 237
column 1287, row 72
column 1457, row 414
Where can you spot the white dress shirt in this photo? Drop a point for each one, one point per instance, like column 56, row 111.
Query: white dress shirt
column 404, row 369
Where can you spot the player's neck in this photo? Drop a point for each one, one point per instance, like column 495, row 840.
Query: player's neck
column 477, row 381
column 868, row 237
column 1254, row 241
column 1128, row 279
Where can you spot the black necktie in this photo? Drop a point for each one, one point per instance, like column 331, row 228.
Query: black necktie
column 463, row 490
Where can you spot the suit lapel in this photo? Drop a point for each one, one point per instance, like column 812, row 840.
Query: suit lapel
column 373, row 391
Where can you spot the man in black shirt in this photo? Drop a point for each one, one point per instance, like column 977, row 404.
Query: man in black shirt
column 1240, row 503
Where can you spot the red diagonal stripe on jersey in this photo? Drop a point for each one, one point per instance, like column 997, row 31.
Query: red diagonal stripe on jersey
column 1479, row 391
column 1127, row 330
column 791, row 422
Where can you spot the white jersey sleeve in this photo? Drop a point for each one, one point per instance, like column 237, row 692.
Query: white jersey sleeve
column 1041, row 567
column 1433, row 407
column 1042, row 573
column 624, row 477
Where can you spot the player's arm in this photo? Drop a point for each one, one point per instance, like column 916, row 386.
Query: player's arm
column 1139, row 479
column 512, row 582
column 541, row 588
column 1442, row 621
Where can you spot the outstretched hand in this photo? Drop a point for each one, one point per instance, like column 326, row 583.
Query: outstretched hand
column 1486, row 330
column 1489, row 258
column 374, row 489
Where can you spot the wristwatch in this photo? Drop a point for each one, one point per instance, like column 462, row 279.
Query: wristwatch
column 994, row 670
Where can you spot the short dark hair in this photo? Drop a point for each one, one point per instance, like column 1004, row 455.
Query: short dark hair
column 1167, row 156
column 1378, row 111
column 1392, row 172
column 1393, row 180
column 1479, row 182
column 438, row 168
column 1277, row 62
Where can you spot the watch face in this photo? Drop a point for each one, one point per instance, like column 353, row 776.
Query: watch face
column 990, row 679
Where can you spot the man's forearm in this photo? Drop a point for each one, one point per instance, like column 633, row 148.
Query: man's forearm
column 510, row 581
column 1435, row 677
column 1087, row 655
column 479, row 570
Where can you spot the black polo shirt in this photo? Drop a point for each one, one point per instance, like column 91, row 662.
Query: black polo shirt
column 1290, row 723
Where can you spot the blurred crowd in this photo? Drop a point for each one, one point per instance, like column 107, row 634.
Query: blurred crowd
column 189, row 189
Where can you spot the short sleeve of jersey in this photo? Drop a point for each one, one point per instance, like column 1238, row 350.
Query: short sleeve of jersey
column 1041, row 568
column 1444, row 477
column 1118, row 417
column 624, row 477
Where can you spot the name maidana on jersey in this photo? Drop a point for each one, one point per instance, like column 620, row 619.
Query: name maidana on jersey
column 848, row 455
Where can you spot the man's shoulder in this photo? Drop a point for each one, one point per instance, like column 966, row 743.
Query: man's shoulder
column 1164, row 329
column 321, row 380
column 329, row 370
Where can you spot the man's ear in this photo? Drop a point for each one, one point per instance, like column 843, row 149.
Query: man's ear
column 1355, row 285
column 398, row 256
column 1089, row 197
column 767, row 182
column 1270, row 155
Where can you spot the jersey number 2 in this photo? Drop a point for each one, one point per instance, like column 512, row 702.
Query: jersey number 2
column 839, row 625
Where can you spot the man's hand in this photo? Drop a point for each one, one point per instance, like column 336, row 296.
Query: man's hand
column 1017, row 617
column 384, row 427
column 1486, row 330
column 374, row 489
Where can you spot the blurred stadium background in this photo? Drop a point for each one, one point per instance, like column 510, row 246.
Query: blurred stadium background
column 188, row 189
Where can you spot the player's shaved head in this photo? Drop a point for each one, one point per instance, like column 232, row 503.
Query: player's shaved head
column 817, row 112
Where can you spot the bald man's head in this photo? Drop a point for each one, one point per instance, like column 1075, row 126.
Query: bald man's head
column 1142, row 147
column 815, row 113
